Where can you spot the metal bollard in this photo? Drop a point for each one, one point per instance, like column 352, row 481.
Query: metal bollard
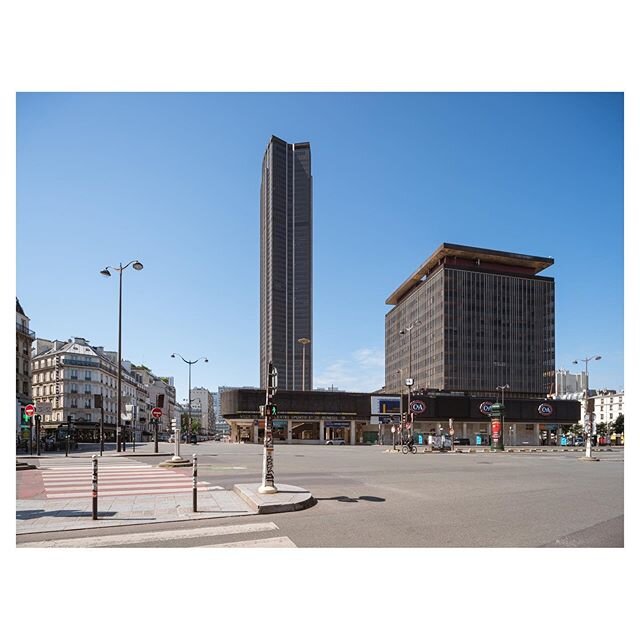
column 195, row 482
column 94, row 492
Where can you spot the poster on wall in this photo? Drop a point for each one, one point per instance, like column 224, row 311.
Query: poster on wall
column 385, row 409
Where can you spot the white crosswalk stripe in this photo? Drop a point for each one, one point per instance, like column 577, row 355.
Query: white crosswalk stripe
column 158, row 537
column 72, row 478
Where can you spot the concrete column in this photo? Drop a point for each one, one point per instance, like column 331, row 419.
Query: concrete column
column 322, row 438
column 537, row 435
column 464, row 430
column 289, row 432
column 352, row 439
column 255, row 433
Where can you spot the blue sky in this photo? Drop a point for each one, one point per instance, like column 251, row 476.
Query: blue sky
column 173, row 180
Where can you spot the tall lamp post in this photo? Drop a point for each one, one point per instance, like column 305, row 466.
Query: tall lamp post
column 502, row 388
column 587, row 424
column 409, row 380
column 189, row 362
column 304, row 342
column 137, row 265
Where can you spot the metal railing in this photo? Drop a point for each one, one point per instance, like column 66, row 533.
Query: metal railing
column 25, row 330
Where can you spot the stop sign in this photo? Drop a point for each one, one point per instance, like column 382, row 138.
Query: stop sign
column 156, row 412
column 30, row 410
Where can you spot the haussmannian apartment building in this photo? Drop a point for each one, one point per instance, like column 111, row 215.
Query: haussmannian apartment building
column 286, row 263
column 481, row 319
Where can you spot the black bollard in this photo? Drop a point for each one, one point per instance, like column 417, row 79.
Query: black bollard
column 195, row 483
column 94, row 492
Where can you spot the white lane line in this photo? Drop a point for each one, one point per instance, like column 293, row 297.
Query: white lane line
column 282, row 541
column 156, row 536
column 60, row 472
column 132, row 492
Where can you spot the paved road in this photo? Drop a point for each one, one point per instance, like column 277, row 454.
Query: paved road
column 369, row 498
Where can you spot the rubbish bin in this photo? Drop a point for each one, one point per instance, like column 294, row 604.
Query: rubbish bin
column 563, row 441
column 478, row 439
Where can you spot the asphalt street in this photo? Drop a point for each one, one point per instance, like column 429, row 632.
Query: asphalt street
column 368, row 497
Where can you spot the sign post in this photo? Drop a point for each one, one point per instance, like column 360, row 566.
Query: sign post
column 156, row 414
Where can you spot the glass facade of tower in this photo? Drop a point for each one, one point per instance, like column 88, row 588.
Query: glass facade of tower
column 481, row 319
column 286, row 263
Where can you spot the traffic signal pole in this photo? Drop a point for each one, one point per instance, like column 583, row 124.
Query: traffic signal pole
column 268, row 484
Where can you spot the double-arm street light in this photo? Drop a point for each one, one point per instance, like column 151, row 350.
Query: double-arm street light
column 502, row 388
column 409, row 380
column 189, row 362
column 137, row 265
column 587, row 424
column 304, row 342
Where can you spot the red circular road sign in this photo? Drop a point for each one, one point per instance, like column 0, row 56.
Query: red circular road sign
column 30, row 410
column 156, row 412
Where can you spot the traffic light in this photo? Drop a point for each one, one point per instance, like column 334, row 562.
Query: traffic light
column 25, row 420
column 268, row 410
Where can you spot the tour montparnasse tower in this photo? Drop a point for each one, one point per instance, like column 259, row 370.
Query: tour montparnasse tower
column 286, row 301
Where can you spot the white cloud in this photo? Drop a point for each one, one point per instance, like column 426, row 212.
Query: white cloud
column 362, row 370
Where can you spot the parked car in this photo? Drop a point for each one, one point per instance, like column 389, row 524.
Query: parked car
column 579, row 441
column 335, row 441
column 462, row 441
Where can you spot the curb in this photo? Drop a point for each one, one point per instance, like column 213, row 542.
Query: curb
column 298, row 498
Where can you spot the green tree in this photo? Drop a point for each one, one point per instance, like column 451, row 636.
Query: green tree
column 618, row 425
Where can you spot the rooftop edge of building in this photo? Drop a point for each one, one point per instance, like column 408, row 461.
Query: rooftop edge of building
column 535, row 264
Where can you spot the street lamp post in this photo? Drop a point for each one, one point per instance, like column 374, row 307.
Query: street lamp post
column 137, row 265
column 497, row 421
column 587, row 418
column 399, row 374
column 189, row 362
column 502, row 388
column 304, row 342
column 409, row 380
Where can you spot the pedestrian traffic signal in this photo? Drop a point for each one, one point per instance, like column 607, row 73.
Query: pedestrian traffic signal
column 25, row 420
column 268, row 410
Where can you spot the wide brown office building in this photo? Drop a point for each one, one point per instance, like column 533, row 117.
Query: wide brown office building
column 475, row 319
column 286, row 264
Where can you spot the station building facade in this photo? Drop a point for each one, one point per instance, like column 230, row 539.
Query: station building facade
column 315, row 417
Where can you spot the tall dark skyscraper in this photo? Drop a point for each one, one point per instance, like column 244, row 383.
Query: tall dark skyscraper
column 286, row 302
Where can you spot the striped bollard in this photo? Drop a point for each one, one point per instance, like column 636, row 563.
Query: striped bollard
column 195, row 482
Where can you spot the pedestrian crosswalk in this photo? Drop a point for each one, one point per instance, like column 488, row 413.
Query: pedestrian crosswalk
column 198, row 537
column 72, row 478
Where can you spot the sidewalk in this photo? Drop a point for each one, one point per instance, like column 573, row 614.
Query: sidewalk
column 40, row 515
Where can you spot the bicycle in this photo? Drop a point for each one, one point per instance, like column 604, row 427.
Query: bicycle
column 405, row 448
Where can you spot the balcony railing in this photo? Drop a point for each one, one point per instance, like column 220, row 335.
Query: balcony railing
column 27, row 332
